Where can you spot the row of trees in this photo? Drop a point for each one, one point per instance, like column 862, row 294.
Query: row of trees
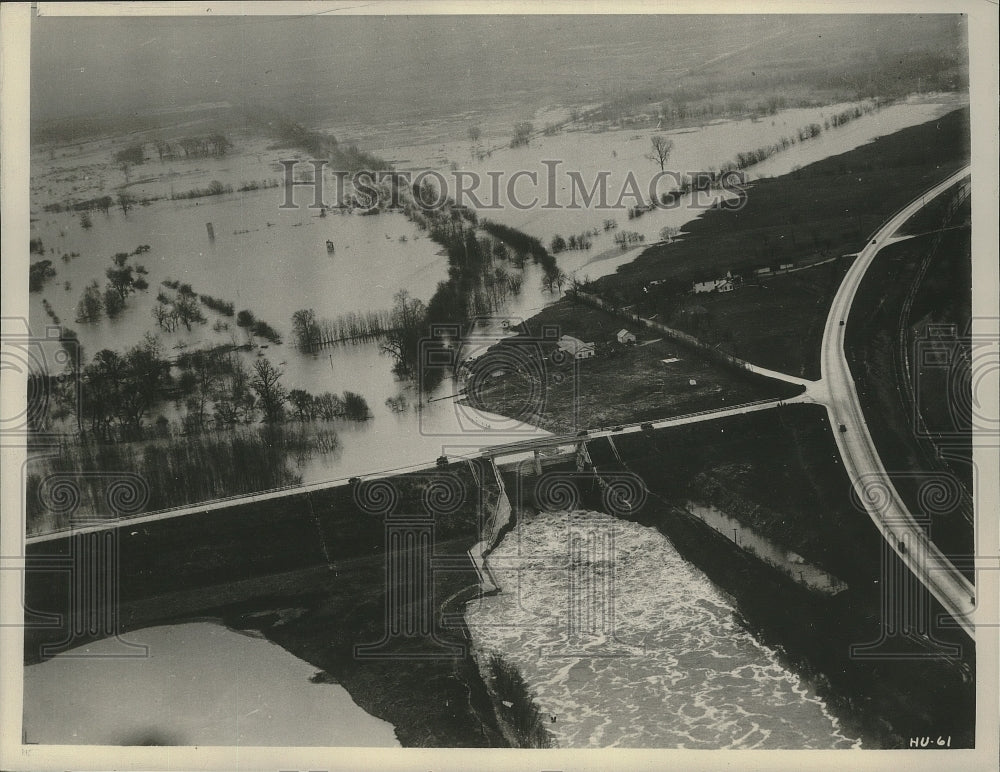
column 626, row 239
column 576, row 241
column 311, row 332
column 215, row 387
column 172, row 311
column 253, row 326
column 214, row 144
column 749, row 158
column 215, row 188
column 267, row 396
column 124, row 200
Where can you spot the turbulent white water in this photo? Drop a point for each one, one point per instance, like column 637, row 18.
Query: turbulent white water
column 626, row 644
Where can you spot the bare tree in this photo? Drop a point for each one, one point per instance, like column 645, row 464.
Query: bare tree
column 272, row 395
column 125, row 201
column 306, row 328
column 661, row 147
column 402, row 340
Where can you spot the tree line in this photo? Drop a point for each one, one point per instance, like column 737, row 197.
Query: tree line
column 216, row 388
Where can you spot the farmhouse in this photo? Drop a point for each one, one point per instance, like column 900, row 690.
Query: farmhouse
column 725, row 284
column 625, row 337
column 576, row 348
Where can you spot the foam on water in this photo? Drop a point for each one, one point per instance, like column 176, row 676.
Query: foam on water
column 626, row 644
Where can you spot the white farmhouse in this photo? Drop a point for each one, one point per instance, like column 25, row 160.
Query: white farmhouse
column 576, row 348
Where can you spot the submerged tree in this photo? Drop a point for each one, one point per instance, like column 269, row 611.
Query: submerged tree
column 402, row 341
column 91, row 304
column 522, row 134
column 661, row 148
column 272, row 395
column 126, row 201
column 306, row 328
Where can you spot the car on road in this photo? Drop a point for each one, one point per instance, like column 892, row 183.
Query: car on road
column 843, row 428
column 841, row 322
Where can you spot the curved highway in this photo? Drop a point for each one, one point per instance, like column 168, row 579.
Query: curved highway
column 861, row 460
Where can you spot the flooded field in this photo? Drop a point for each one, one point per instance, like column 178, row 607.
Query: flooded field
column 275, row 261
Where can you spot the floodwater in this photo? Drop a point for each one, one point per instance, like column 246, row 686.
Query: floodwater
column 275, row 262
column 625, row 644
column 621, row 152
column 199, row 684
column 677, row 671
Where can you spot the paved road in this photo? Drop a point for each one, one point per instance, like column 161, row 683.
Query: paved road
column 861, row 459
column 537, row 443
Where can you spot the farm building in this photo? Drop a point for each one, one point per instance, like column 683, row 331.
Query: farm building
column 576, row 348
column 625, row 337
column 725, row 284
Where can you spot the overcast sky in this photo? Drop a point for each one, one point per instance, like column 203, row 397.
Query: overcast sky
column 85, row 66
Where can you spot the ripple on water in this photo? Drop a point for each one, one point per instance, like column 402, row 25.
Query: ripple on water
column 626, row 644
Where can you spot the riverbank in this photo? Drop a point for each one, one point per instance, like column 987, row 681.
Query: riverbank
column 309, row 572
column 884, row 686
column 821, row 211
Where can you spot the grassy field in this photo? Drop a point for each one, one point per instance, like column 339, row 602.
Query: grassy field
column 824, row 210
column 620, row 384
column 745, row 322
column 933, row 214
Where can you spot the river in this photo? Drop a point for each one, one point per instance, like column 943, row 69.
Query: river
column 625, row 644
column 679, row 671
